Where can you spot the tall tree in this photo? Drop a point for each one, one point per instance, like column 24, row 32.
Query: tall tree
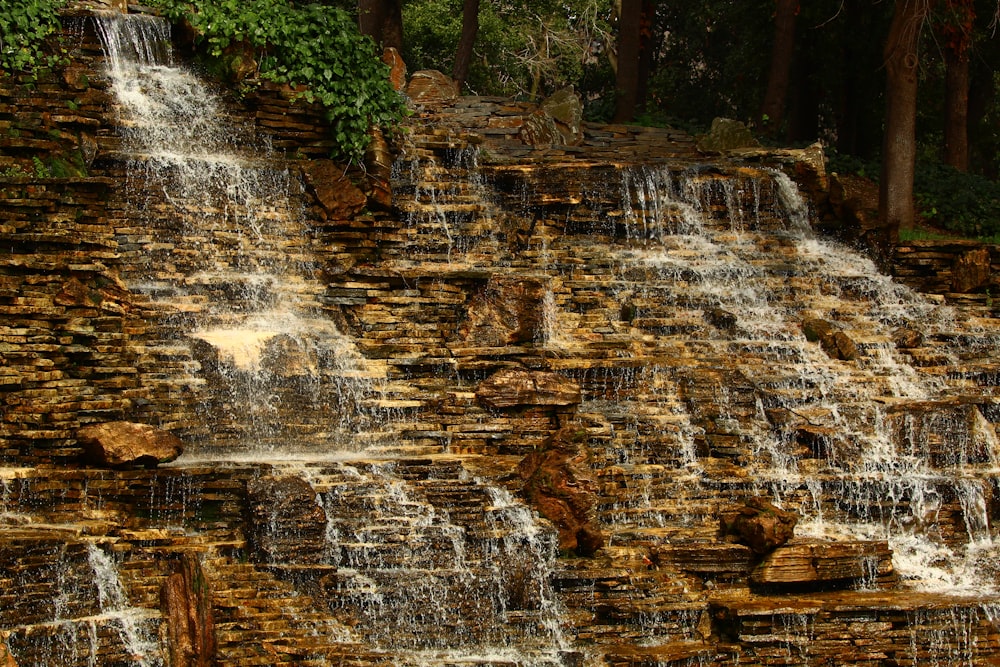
column 382, row 20
column 772, row 110
column 463, row 54
column 955, row 29
column 627, row 76
column 634, row 56
column 899, row 146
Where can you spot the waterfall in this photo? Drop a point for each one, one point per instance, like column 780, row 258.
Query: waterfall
column 229, row 258
column 141, row 644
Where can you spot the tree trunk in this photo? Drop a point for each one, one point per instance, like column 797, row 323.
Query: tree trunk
column 772, row 111
column 956, row 122
column 627, row 80
column 956, row 33
column 463, row 55
column 899, row 147
column 382, row 20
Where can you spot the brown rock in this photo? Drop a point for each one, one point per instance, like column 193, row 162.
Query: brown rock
column 397, row 68
column 127, row 445
column 512, row 387
column 508, row 311
column 557, row 121
column 431, row 87
column 907, row 339
column 971, row 270
column 557, row 483
column 286, row 523
column 826, row 565
column 6, row 659
column 759, row 525
column 186, row 601
column 836, row 344
column 336, row 195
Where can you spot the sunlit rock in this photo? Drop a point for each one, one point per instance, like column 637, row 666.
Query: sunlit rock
column 513, row 387
column 824, row 565
column 186, row 600
column 759, row 525
column 834, row 342
column 337, row 196
column 123, row 444
column 558, row 483
column 508, row 311
column 431, row 87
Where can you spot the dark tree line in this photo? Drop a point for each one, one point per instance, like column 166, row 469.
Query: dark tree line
column 874, row 79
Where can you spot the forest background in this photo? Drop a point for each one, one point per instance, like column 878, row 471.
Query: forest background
column 903, row 92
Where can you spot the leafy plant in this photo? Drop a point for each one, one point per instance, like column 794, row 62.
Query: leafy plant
column 313, row 48
column 963, row 203
column 25, row 26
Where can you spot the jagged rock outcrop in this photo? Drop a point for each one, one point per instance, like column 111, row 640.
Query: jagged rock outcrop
column 285, row 525
column 512, row 387
column 508, row 311
column 431, row 87
column 834, row 342
column 186, row 598
column 759, row 525
column 123, row 444
column 557, row 483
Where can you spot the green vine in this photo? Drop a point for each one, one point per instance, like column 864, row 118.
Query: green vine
column 315, row 47
column 25, row 26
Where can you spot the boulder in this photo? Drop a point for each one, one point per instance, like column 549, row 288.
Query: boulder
column 971, row 270
column 513, row 387
column 826, row 565
column 557, row 483
column 508, row 311
column 397, row 67
column 834, row 342
column 124, row 444
column 907, row 339
column 726, row 134
column 286, row 524
column 431, row 87
column 759, row 525
column 6, row 658
column 337, row 196
column 557, row 121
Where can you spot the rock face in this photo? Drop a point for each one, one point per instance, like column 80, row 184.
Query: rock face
column 557, row 483
column 286, row 524
column 128, row 445
column 759, row 525
column 508, row 311
column 834, row 342
column 186, row 599
column 431, row 87
column 515, row 387
column 453, row 343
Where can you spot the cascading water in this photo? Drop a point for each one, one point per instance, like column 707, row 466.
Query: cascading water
column 229, row 257
column 884, row 466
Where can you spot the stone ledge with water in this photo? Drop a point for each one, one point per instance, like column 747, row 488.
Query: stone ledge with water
column 401, row 421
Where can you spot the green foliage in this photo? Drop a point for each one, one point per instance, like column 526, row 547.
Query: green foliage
column 25, row 26
column 523, row 49
column 315, row 47
column 966, row 204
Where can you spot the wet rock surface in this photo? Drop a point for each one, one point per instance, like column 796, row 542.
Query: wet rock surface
column 620, row 340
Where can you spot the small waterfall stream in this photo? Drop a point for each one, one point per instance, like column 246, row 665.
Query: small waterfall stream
column 230, row 256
